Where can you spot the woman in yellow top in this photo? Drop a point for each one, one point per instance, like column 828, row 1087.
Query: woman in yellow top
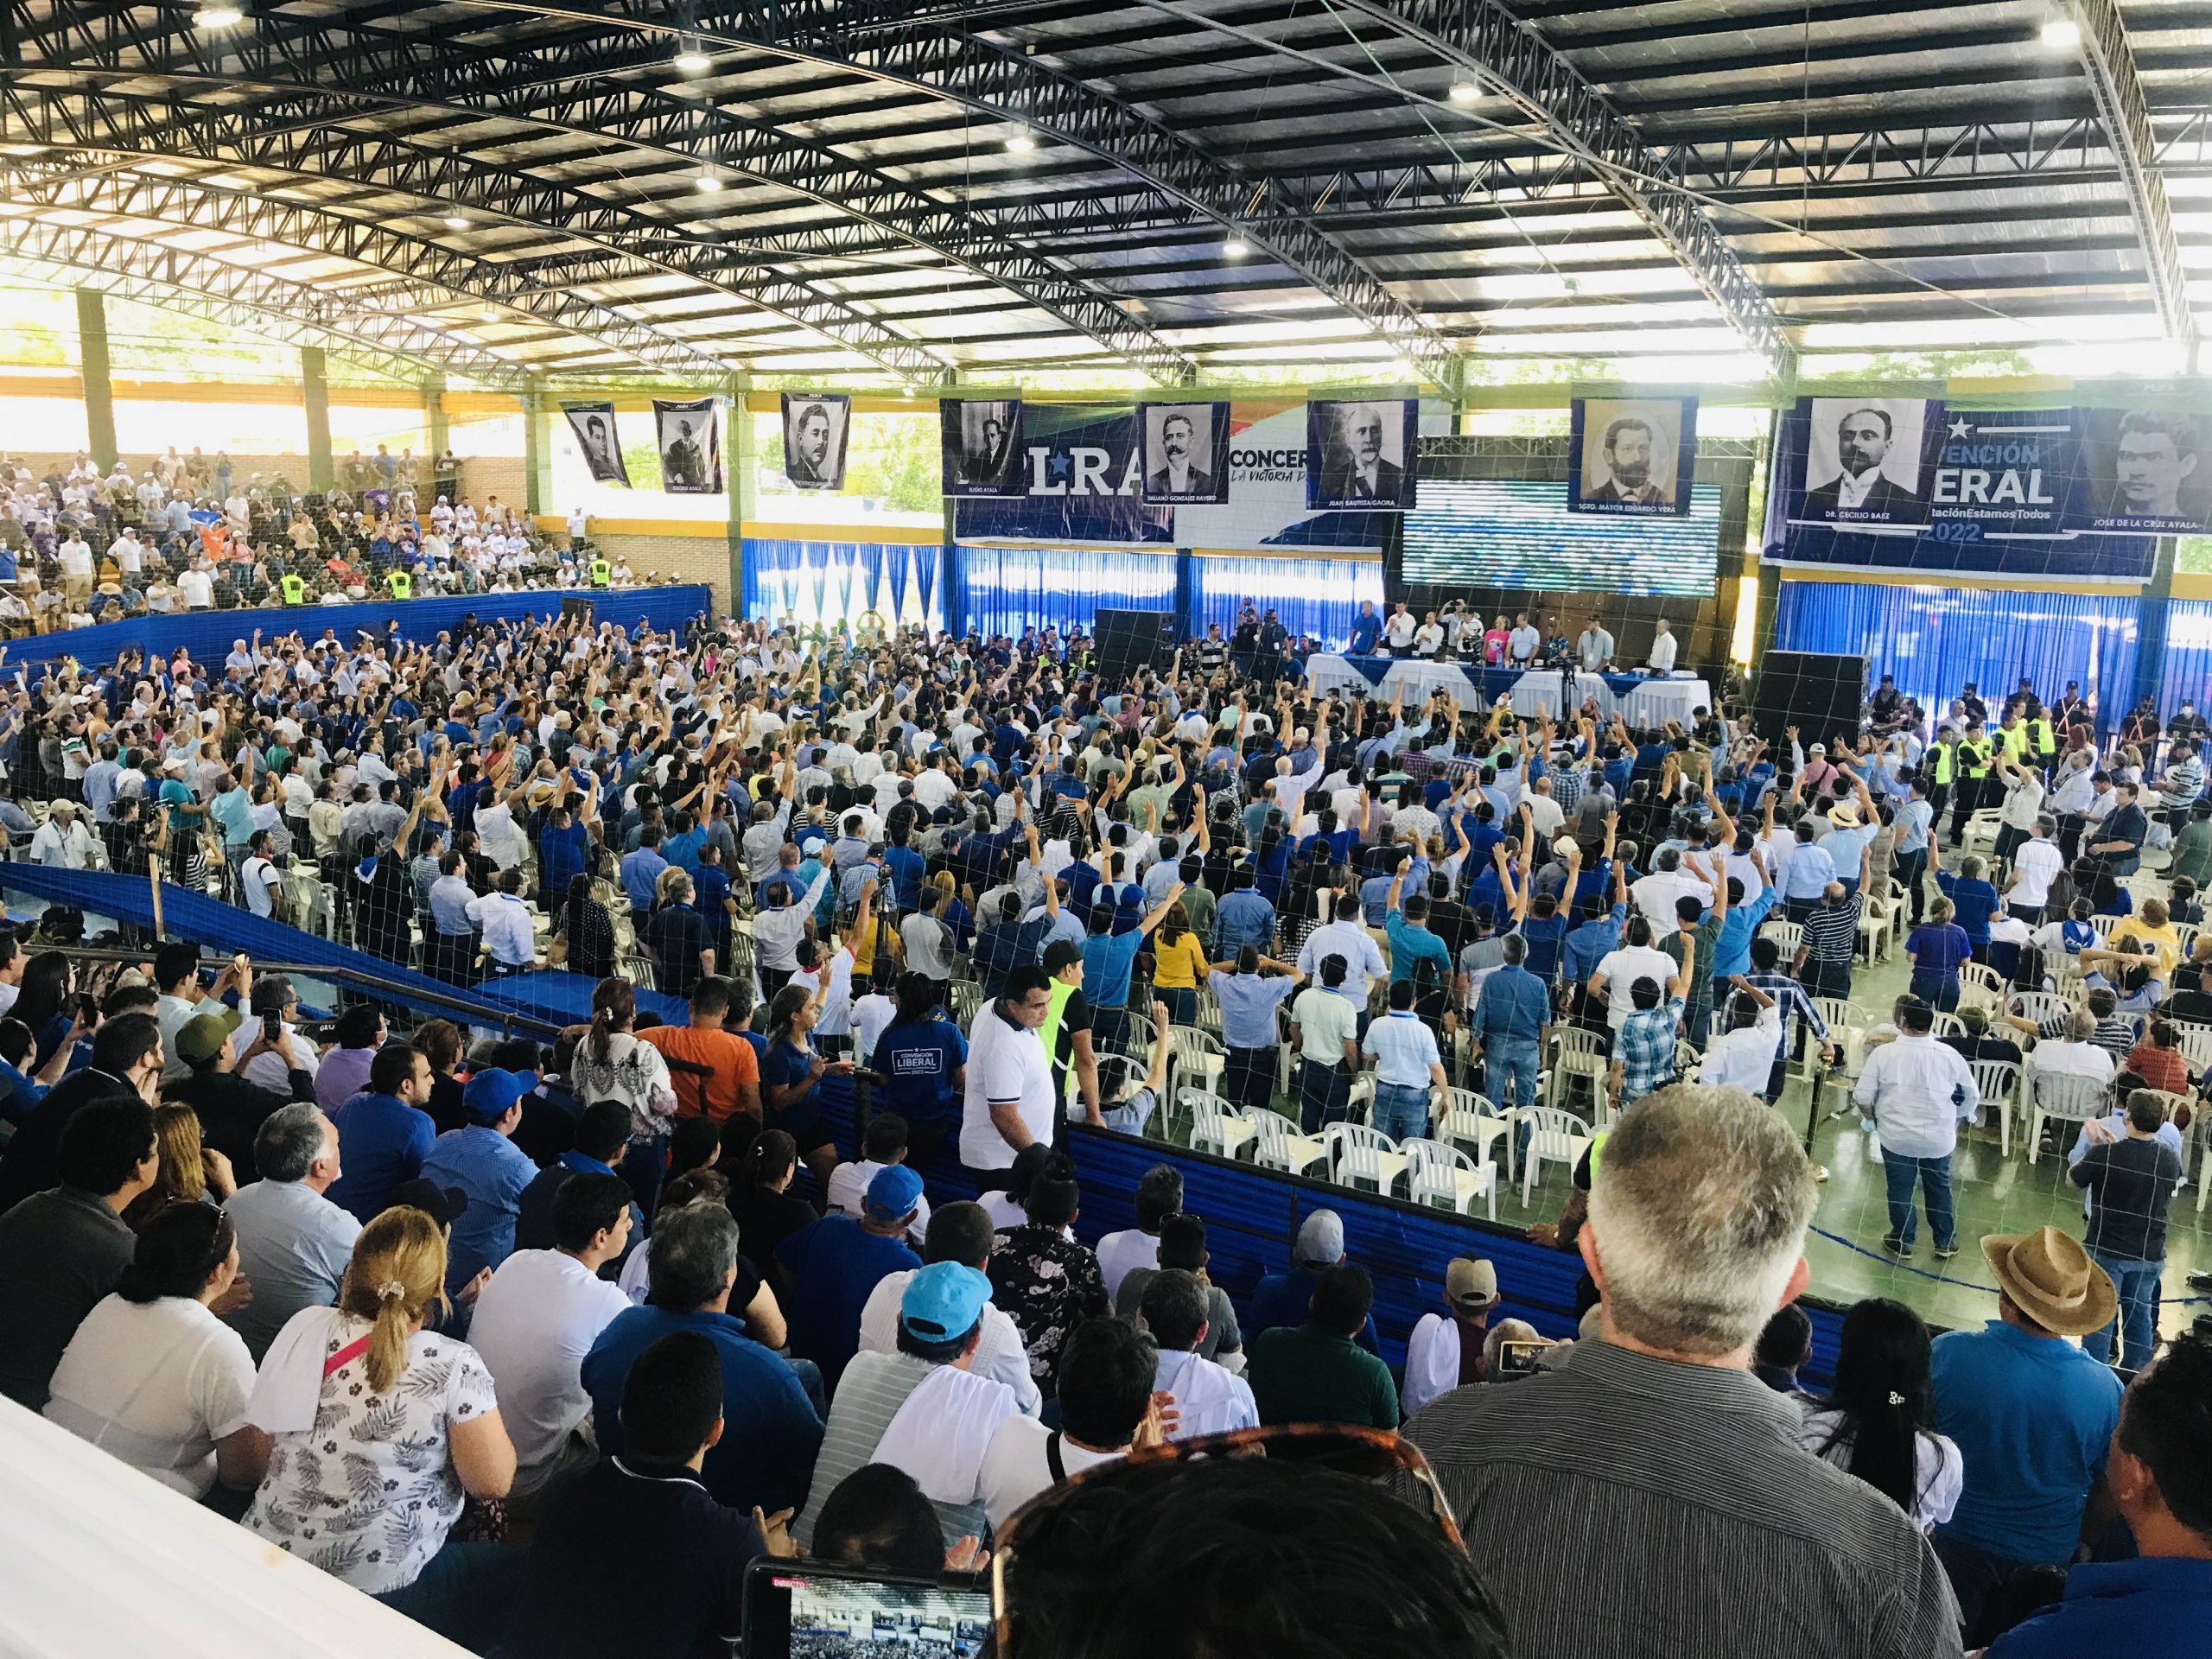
column 2154, row 927
column 1179, row 965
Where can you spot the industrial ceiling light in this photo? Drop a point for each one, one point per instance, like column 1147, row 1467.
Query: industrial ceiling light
column 1020, row 143
column 1465, row 91
column 1235, row 248
column 489, row 314
column 691, row 60
column 2062, row 35
column 708, row 183
column 218, row 17
column 455, row 222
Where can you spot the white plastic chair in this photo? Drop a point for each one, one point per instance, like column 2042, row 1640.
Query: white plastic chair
column 1948, row 1025
column 1359, row 1098
column 1358, row 1155
column 962, row 999
column 1576, row 1053
column 2040, row 1005
column 1788, row 935
column 1273, row 1147
column 1472, row 1121
column 1445, row 1178
column 1196, row 1059
column 1215, row 1126
column 1554, row 1134
column 2061, row 1097
column 1999, row 1083
column 2102, row 926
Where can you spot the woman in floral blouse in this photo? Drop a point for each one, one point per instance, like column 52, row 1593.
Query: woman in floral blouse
column 381, row 1429
column 613, row 1063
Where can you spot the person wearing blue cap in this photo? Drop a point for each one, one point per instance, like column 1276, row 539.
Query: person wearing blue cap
column 925, row 1408
column 481, row 1159
column 835, row 1261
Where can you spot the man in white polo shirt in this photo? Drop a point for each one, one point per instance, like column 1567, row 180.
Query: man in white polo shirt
column 1008, row 1099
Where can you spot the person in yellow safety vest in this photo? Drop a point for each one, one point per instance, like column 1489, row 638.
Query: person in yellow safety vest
column 2044, row 736
column 1975, row 753
column 400, row 582
column 2012, row 735
column 1940, row 767
column 602, row 573
column 296, row 590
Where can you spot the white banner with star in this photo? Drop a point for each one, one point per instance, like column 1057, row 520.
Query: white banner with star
column 2005, row 474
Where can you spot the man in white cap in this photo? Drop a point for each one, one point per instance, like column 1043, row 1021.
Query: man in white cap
column 1445, row 1350
column 1285, row 1298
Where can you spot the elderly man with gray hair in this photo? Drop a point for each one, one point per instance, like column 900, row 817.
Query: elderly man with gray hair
column 294, row 1244
column 1659, row 1466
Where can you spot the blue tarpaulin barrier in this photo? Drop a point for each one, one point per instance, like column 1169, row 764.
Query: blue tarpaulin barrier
column 208, row 634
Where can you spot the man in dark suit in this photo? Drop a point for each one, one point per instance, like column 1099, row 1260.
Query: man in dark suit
column 599, row 448
column 682, row 465
column 1628, row 466
column 1355, row 470
column 1862, row 439
column 1181, row 475
column 987, row 463
column 810, row 457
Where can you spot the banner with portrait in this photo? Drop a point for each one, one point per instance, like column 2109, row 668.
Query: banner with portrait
column 1186, row 453
column 1078, row 477
column 981, row 440
column 594, row 425
column 2145, row 472
column 1361, row 451
column 690, row 446
column 1868, row 461
column 815, row 425
column 1632, row 456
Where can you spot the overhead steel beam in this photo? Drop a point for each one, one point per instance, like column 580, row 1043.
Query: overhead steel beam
column 2110, row 64
column 284, row 56
column 291, row 312
column 434, row 276
column 921, row 44
column 1513, row 61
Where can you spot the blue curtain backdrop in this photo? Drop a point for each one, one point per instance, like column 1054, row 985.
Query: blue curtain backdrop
column 836, row 579
column 1318, row 596
column 2188, row 675
column 1010, row 589
column 1935, row 640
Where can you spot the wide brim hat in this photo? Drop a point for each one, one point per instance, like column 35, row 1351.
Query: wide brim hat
column 2051, row 1279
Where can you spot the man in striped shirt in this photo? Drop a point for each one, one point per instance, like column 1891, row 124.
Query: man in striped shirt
column 1823, row 963
column 1789, row 996
column 1672, row 1477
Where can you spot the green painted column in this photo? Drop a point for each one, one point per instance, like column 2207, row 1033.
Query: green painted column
column 434, row 407
column 536, row 451
column 99, row 381
column 314, row 384
column 744, row 486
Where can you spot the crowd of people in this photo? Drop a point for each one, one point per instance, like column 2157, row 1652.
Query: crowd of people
column 435, row 1317
column 188, row 533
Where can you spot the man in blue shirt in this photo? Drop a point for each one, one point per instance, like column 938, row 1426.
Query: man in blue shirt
column 1286, row 1297
column 1107, row 958
column 2032, row 1417
column 481, row 1159
column 2160, row 1479
column 1411, row 942
column 1243, row 916
column 837, row 1261
column 770, row 1432
column 385, row 1134
column 1510, row 1022
column 1248, row 1028
column 641, row 874
column 602, row 1137
column 1366, row 629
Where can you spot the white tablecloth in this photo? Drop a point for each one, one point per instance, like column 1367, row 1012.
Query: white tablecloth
column 1643, row 703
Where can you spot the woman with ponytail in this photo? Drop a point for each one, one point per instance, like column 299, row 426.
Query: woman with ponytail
column 381, row 1429
column 1874, row 1423
column 767, row 1211
column 613, row 1063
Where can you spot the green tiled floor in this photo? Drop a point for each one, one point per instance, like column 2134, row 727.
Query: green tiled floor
column 1992, row 1194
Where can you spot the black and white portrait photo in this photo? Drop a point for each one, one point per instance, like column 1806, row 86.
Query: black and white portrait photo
column 1864, row 461
column 2147, row 472
column 1632, row 456
column 815, row 425
column 690, row 446
column 1186, row 453
column 1359, row 452
column 981, row 439
column 594, row 425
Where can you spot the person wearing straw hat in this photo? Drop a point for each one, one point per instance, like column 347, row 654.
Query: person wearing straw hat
column 2032, row 1414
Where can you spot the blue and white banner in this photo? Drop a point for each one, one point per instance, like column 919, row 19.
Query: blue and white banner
column 2009, row 472
column 1077, row 476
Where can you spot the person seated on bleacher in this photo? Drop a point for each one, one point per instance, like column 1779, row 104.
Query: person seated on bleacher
column 1315, row 1372
column 1284, row 1298
column 1041, row 1276
column 1209, row 1399
column 883, row 1146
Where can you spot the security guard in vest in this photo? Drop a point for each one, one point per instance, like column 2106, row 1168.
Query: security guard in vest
column 2013, row 738
column 1939, row 768
column 1975, row 750
column 294, row 590
column 2045, row 738
column 400, row 581
column 602, row 573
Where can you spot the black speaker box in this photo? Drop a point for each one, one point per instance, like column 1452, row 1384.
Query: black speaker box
column 1820, row 693
column 1128, row 640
